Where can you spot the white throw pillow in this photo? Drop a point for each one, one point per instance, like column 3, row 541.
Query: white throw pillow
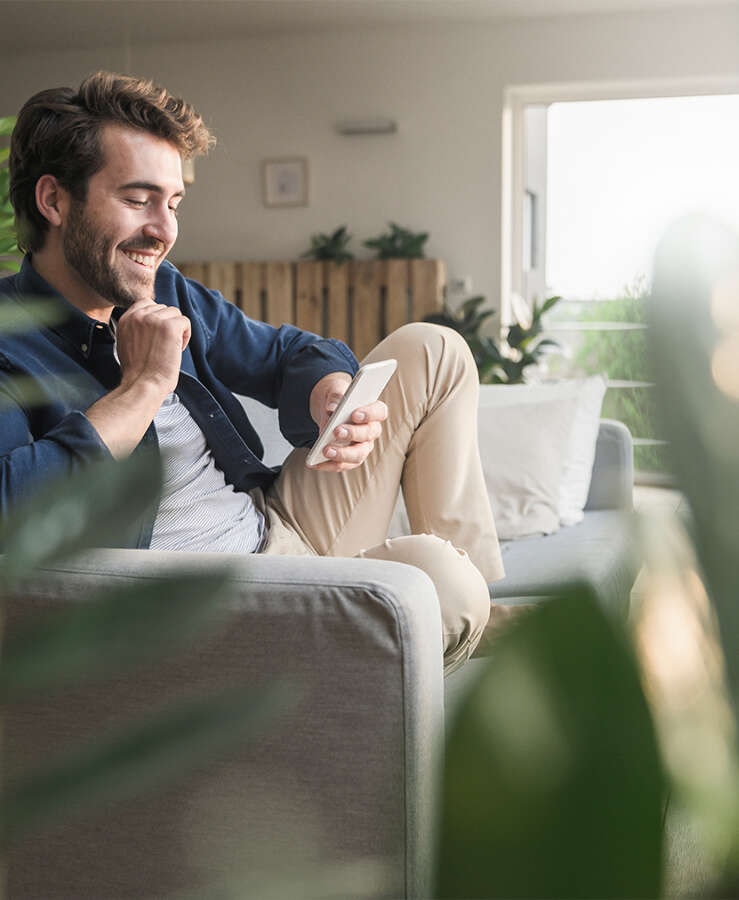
column 524, row 447
column 580, row 452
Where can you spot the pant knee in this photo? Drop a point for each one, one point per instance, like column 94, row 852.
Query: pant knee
column 463, row 593
column 429, row 344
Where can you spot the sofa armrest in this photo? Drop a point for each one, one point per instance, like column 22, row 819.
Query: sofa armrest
column 612, row 482
column 340, row 787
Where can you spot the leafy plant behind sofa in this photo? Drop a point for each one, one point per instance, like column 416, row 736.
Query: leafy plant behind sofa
column 503, row 362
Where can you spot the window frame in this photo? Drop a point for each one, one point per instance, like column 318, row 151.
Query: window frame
column 513, row 187
column 515, row 99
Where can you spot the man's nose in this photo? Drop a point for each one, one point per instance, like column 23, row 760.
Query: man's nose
column 162, row 225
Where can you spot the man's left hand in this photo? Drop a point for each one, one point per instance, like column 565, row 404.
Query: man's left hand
column 354, row 441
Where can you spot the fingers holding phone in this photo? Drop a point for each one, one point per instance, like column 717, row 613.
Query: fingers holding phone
column 349, row 435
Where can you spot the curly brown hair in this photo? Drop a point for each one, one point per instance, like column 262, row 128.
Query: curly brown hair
column 58, row 133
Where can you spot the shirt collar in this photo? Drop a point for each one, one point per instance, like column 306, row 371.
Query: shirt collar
column 73, row 326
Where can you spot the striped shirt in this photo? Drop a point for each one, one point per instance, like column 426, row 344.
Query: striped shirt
column 198, row 510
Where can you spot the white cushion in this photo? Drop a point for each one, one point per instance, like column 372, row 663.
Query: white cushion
column 578, row 460
column 523, row 454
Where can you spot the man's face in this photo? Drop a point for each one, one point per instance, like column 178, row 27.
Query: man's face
column 118, row 236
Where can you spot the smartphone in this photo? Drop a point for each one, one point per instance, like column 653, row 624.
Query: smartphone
column 365, row 388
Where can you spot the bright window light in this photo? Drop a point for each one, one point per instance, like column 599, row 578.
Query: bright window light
column 619, row 171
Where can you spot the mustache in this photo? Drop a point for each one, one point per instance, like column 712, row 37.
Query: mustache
column 143, row 244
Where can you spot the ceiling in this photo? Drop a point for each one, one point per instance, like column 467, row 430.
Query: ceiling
column 59, row 24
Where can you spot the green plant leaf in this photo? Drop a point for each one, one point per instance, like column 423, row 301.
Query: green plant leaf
column 140, row 757
column 123, row 626
column 7, row 123
column 553, row 783
column 97, row 506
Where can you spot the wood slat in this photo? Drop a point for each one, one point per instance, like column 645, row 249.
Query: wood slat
column 250, row 281
column 397, row 301
column 195, row 271
column 427, row 279
column 366, row 306
column 278, row 286
column 222, row 277
column 337, row 300
column 309, row 312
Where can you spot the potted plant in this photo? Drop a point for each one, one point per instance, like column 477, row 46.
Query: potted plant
column 333, row 247
column 522, row 345
column 398, row 243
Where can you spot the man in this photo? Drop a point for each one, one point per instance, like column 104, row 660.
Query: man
column 145, row 357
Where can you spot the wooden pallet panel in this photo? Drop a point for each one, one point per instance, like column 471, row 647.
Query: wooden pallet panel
column 358, row 302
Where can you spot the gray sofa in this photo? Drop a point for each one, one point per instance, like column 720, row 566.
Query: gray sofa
column 335, row 797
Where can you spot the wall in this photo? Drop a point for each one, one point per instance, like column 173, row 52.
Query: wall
column 280, row 95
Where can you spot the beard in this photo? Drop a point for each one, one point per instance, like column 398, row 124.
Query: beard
column 87, row 249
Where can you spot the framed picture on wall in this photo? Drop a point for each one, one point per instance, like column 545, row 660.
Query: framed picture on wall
column 285, row 181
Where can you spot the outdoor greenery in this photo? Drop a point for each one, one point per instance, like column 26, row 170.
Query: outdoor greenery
column 332, row 246
column 501, row 361
column 622, row 355
column 398, row 243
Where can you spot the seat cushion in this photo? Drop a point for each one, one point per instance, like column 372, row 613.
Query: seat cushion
column 600, row 551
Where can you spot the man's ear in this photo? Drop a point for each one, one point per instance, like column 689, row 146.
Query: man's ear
column 51, row 199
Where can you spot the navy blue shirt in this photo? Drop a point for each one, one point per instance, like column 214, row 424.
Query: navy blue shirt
column 72, row 364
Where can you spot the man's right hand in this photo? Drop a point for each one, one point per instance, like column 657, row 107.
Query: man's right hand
column 150, row 339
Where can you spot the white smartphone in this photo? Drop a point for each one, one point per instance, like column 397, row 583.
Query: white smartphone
column 365, row 388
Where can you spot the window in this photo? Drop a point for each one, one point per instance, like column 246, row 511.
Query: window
column 593, row 182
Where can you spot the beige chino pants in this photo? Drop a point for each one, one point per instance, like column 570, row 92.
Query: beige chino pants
column 429, row 449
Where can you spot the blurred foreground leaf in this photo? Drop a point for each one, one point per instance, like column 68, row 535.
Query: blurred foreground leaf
column 139, row 757
column 98, row 506
column 553, row 784
column 125, row 626
column 694, row 337
column 34, row 312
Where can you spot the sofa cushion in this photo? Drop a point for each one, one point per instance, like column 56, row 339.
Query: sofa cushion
column 522, row 447
column 600, row 550
column 577, row 466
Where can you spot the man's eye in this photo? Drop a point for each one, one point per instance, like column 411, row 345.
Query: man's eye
column 139, row 204
column 175, row 210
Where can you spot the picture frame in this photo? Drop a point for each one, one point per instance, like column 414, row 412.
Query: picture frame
column 285, row 182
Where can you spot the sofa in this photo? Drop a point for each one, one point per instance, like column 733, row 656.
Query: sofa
column 334, row 796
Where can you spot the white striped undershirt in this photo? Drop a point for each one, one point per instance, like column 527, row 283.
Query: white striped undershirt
column 198, row 511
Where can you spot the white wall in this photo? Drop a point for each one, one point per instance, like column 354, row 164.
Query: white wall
column 281, row 95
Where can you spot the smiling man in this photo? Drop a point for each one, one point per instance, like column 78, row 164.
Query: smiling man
column 143, row 357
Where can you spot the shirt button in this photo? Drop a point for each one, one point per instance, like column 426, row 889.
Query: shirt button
column 84, row 348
